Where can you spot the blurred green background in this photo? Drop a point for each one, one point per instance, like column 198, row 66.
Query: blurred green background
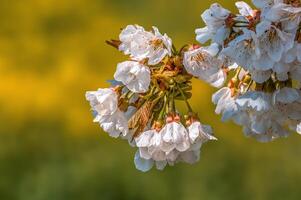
column 51, row 52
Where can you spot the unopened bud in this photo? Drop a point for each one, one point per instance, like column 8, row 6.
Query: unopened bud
column 158, row 125
column 169, row 119
column 177, row 118
column 188, row 122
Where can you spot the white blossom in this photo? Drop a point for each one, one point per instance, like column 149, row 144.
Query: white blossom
column 199, row 134
column 204, row 64
column 115, row 124
column 225, row 104
column 293, row 55
column 103, row 101
column 216, row 29
column 287, row 14
column 273, row 41
column 286, row 95
column 244, row 50
column 260, row 76
column 141, row 44
column 160, row 47
column 134, row 75
column 175, row 137
column 244, row 9
column 133, row 38
column 258, row 101
column 145, row 141
column 295, row 72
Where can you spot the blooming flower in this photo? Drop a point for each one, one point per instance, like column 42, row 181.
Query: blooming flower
column 273, row 41
column 149, row 144
column 103, row 101
column 216, row 29
column 244, row 50
column 160, row 46
column 225, row 103
column 199, row 134
column 115, row 124
column 132, row 38
column 134, row 75
column 203, row 63
column 288, row 15
column 175, row 136
column 141, row 44
column 257, row 51
column 286, row 95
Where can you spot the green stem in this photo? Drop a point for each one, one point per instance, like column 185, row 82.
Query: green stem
column 162, row 112
column 183, row 47
column 150, row 94
column 185, row 99
column 172, row 107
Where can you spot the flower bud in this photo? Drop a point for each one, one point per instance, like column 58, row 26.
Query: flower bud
column 169, row 119
column 177, row 118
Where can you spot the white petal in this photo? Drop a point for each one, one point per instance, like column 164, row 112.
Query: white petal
column 260, row 76
column 299, row 52
column 203, row 35
column 143, row 164
column 258, row 101
column 261, row 3
column 264, row 63
column 282, row 76
column 116, row 124
column 144, row 139
column 134, row 75
column 144, row 153
column 244, row 8
column 157, row 56
column 286, row 95
column 213, row 49
column 219, row 94
column 190, row 157
column 175, row 136
column 299, row 128
column 262, row 27
column 221, row 34
column 103, row 101
column 160, row 165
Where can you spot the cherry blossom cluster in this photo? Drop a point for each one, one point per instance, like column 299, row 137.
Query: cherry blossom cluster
column 141, row 104
column 258, row 52
column 254, row 57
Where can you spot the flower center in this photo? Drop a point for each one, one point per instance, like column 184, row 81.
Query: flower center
column 199, row 58
column 157, row 44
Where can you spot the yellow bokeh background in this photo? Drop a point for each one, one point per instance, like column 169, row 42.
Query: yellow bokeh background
column 52, row 52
